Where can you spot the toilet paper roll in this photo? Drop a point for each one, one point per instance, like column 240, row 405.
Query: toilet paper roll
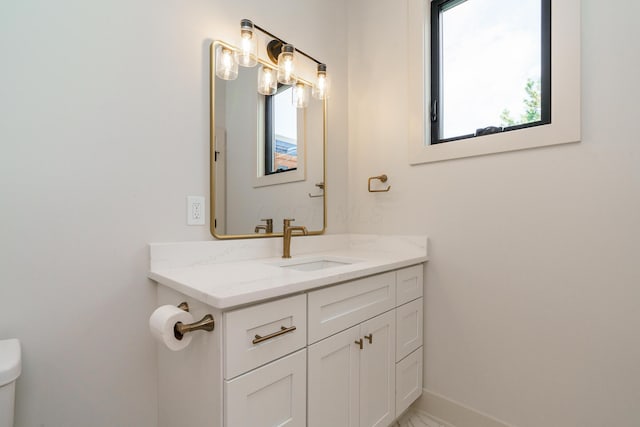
column 162, row 322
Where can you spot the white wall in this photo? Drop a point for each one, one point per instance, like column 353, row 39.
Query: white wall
column 103, row 133
column 533, row 287
column 532, row 312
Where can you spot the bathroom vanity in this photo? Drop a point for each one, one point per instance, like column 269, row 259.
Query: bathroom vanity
column 331, row 337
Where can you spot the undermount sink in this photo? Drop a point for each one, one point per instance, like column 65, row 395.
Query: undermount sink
column 315, row 264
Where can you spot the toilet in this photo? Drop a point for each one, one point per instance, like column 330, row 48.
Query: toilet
column 10, row 367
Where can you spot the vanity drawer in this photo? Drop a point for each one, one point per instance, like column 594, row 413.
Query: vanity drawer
column 337, row 308
column 408, row 380
column 261, row 333
column 273, row 395
column 409, row 328
column 409, row 283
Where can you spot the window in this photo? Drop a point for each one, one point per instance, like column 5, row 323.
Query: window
column 280, row 139
column 490, row 67
column 481, row 120
column 281, row 132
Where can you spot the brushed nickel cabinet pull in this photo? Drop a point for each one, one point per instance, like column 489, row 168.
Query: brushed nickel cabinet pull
column 283, row 330
column 359, row 342
column 370, row 338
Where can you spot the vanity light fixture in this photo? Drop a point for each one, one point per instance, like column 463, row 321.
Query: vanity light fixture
column 321, row 86
column 267, row 82
column 226, row 66
column 248, row 54
column 300, row 95
column 285, row 65
column 280, row 53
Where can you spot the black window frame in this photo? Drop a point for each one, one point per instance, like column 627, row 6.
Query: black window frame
column 269, row 132
column 437, row 7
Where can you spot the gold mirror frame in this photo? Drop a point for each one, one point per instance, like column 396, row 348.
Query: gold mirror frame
column 212, row 163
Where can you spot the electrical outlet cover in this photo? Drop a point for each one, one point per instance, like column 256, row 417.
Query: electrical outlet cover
column 195, row 210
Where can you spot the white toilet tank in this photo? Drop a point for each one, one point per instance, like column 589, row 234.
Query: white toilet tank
column 10, row 368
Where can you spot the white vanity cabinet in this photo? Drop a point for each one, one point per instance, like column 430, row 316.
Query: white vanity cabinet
column 347, row 354
column 352, row 374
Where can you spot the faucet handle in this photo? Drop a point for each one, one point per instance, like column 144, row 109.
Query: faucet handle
column 287, row 222
column 267, row 228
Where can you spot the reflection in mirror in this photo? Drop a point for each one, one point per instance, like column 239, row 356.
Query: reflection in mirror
column 281, row 134
column 267, row 159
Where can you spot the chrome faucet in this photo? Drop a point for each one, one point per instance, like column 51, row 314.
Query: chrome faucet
column 268, row 227
column 287, row 233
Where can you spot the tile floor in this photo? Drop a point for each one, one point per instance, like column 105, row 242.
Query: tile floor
column 415, row 418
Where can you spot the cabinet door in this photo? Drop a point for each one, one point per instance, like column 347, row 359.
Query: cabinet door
column 273, row 395
column 334, row 380
column 408, row 328
column 408, row 380
column 378, row 371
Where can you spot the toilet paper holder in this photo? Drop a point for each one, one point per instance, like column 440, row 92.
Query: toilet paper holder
column 381, row 178
column 205, row 324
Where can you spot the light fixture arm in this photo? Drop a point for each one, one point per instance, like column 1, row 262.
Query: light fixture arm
column 257, row 27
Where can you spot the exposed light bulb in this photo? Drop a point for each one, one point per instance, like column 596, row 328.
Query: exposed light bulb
column 301, row 95
column 321, row 86
column 226, row 66
column 286, row 66
column 247, row 57
column 267, row 82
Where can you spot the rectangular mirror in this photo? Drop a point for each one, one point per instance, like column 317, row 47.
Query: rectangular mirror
column 267, row 157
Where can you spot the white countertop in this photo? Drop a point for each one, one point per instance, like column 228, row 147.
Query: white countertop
column 229, row 273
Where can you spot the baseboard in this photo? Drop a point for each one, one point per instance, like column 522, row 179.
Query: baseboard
column 454, row 414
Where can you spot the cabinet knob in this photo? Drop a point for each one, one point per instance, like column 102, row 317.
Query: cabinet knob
column 359, row 342
column 369, row 338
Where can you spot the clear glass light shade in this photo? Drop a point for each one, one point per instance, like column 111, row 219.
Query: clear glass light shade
column 267, row 82
column 248, row 54
column 321, row 86
column 301, row 95
column 286, row 65
column 226, row 65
